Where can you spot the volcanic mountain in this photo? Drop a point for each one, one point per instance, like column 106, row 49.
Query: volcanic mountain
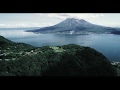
column 76, row 26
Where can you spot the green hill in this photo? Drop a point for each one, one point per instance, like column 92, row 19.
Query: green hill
column 67, row 60
column 5, row 42
column 11, row 50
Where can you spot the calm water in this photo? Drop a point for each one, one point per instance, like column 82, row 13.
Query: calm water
column 107, row 44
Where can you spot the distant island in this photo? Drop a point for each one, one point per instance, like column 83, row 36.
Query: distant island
column 20, row 59
column 76, row 26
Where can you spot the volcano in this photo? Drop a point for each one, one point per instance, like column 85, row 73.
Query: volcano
column 75, row 26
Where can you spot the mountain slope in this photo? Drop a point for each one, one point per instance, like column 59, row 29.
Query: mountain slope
column 11, row 50
column 77, row 26
column 5, row 42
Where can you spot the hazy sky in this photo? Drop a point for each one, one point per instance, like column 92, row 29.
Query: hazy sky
column 47, row 19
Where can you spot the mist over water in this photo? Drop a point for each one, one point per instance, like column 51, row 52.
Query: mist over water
column 108, row 44
column 16, row 34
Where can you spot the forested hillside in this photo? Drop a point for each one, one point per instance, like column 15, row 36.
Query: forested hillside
column 67, row 60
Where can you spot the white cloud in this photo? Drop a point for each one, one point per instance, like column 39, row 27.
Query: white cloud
column 86, row 16
column 113, row 24
column 90, row 17
column 46, row 24
column 1, row 24
column 25, row 25
column 13, row 25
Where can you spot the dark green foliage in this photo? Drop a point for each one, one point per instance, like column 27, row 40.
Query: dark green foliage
column 25, row 66
column 5, row 42
column 74, row 60
column 82, row 62
column 67, row 66
column 12, row 50
column 22, row 47
column 70, row 46
column 117, row 67
column 3, row 65
column 96, row 63
column 45, row 48
column 31, row 65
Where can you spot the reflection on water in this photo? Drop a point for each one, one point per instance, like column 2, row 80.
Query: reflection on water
column 107, row 44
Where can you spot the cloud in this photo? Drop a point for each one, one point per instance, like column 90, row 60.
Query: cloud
column 14, row 25
column 61, row 16
column 1, row 24
column 113, row 24
column 25, row 25
column 86, row 16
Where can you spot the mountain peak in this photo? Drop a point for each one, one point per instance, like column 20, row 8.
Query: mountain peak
column 74, row 19
column 70, row 19
column 82, row 20
column 73, row 22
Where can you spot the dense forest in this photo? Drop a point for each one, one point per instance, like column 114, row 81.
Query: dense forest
column 19, row 59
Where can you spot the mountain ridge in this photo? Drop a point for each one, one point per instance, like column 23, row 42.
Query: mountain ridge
column 78, row 26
